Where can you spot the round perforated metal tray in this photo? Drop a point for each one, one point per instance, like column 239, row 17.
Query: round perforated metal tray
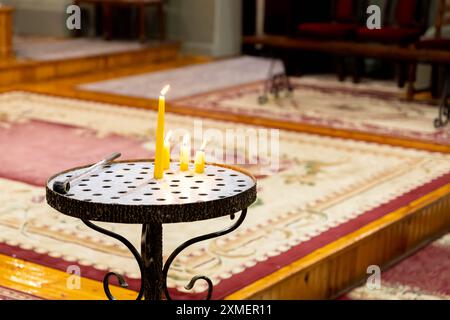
column 127, row 192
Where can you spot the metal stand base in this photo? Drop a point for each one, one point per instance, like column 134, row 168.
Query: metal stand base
column 275, row 84
column 151, row 251
column 153, row 274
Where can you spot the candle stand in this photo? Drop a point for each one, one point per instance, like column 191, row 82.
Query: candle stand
column 126, row 192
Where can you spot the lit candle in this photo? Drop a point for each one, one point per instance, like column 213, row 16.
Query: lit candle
column 200, row 159
column 159, row 148
column 185, row 153
column 166, row 152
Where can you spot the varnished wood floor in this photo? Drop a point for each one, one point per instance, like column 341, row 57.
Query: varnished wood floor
column 49, row 283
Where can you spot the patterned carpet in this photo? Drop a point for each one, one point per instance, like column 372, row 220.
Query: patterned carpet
column 322, row 101
column 314, row 197
column 423, row 276
column 48, row 49
column 233, row 87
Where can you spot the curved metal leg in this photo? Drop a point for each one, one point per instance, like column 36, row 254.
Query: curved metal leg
column 191, row 242
column 444, row 109
column 119, row 277
column 444, row 115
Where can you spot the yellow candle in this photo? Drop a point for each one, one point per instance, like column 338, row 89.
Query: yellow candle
column 200, row 161
column 185, row 153
column 200, row 158
column 159, row 148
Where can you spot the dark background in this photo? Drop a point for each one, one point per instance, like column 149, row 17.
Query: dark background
column 283, row 15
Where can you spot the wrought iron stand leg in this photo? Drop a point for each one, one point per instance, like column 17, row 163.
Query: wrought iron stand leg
column 119, row 277
column 192, row 241
column 444, row 108
column 151, row 251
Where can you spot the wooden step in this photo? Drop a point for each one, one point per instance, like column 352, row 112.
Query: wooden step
column 23, row 71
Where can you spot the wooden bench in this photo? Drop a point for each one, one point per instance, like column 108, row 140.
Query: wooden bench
column 348, row 48
column 409, row 55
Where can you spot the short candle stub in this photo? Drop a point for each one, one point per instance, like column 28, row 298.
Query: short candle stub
column 185, row 153
column 200, row 162
column 61, row 187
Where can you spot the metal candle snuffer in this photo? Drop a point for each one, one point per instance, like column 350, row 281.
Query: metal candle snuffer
column 131, row 191
column 64, row 186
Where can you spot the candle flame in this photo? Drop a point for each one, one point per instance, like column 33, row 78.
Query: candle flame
column 205, row 142
column 186, row 139
column 168, row 136
column 165, row 89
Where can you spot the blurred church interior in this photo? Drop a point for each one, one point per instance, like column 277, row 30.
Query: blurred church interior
column 353, row 202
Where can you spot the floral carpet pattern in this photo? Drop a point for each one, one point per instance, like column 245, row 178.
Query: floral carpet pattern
column 424, row 275
column 233, row 86
column 323, row 101
column 311, row 198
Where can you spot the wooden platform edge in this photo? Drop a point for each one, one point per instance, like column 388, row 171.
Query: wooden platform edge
column 30, row 71
column 331, row 270
column 52, row 284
